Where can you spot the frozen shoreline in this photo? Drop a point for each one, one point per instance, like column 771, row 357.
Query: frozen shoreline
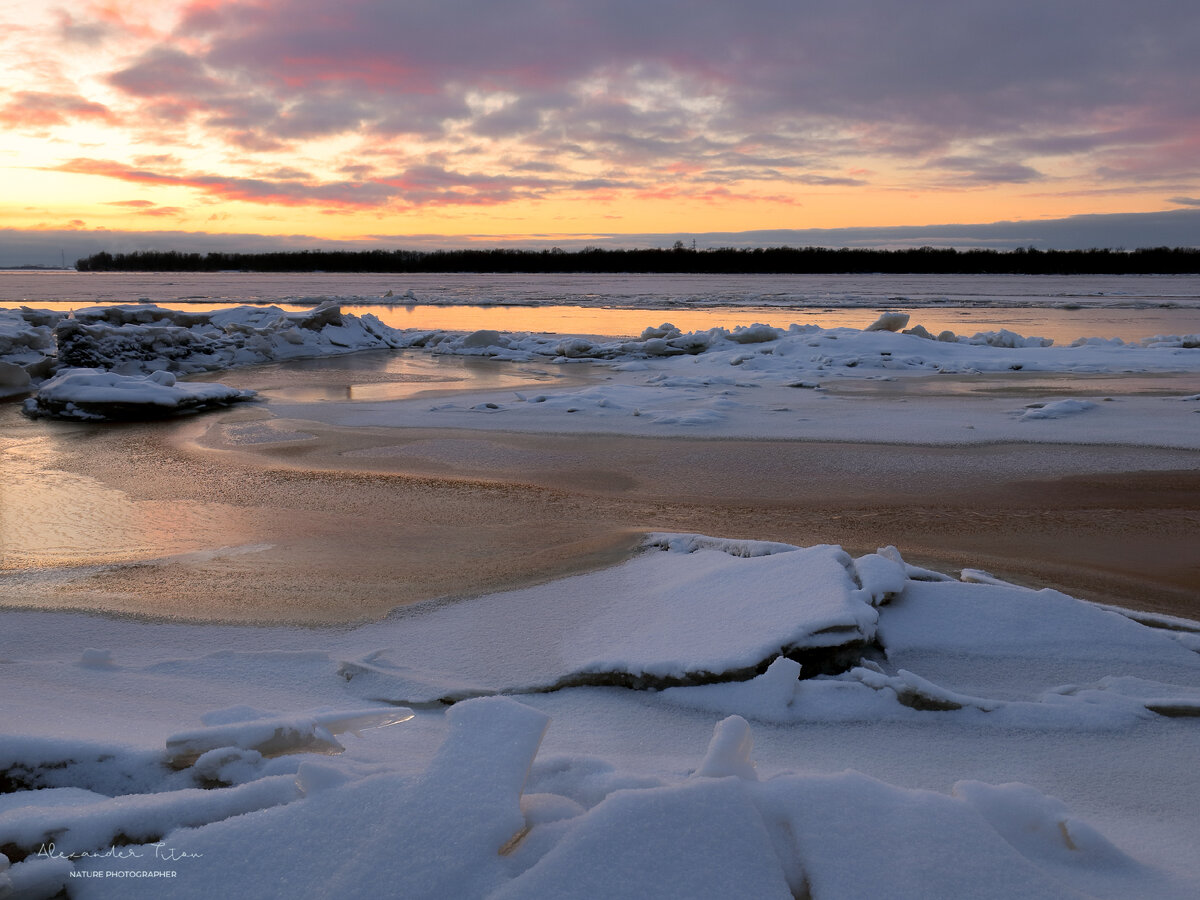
column 716, row 382
column 943, row 741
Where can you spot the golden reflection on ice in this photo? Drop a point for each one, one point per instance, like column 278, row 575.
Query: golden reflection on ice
column 50, row 517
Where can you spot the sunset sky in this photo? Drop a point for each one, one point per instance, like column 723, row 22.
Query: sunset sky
column 426, row 122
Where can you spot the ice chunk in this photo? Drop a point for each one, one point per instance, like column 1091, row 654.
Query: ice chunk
column 96, row 395
column 277, row 736
column 35, row 879
column 704, row 838
column 882, row 577
column 1056, row 409
column 767, row 697
column 13, row 379
column 908, row 844
column 485, row 337
column 918, row 693
column 889, row 321
column 755, row 334
column 729, row 751
column 1037, row 825
column 90, row 827
column 1008, row 339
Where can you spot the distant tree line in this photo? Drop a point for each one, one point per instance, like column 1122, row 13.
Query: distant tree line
column 678, row 259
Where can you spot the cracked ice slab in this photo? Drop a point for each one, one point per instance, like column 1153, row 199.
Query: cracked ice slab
column 687, row 609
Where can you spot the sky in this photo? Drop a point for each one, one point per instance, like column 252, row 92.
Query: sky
column 231, row 124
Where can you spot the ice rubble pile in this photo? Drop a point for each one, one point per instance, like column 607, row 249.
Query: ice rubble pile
column 111, row 360
column 139, row 339
column 487, row 819
column 145, row 338
column 487, row 816
column 142, row 338
column 810, row 350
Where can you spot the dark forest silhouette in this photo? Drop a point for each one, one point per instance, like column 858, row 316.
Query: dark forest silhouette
column 677, row 260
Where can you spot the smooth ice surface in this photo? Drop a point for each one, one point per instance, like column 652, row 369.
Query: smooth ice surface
column 639, row 291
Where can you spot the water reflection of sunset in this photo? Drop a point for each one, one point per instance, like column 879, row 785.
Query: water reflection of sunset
column 53, row 517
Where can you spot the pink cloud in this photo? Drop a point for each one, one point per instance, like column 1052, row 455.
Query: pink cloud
column 40, row 110
column 961, row 93
column 418, row 186
column 166, row 71
column 147, row 208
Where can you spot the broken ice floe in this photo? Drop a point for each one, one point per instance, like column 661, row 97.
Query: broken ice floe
column 142, row 338
column 95, row 395
column 85, row 828
column 680, row 613
column 147, row 338
column 734, row 625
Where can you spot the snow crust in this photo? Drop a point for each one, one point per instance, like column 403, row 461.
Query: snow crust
column 544, row 789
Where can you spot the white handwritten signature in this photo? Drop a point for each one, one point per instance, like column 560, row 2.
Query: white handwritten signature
column 161, row 852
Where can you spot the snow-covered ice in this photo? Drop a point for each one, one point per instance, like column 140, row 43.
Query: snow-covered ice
column 120, row 362
column 755, row 380
column 710, row 718
column 98, row 395
column 531, row 783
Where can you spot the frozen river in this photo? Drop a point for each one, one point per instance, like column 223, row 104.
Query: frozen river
column 1058, row 307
